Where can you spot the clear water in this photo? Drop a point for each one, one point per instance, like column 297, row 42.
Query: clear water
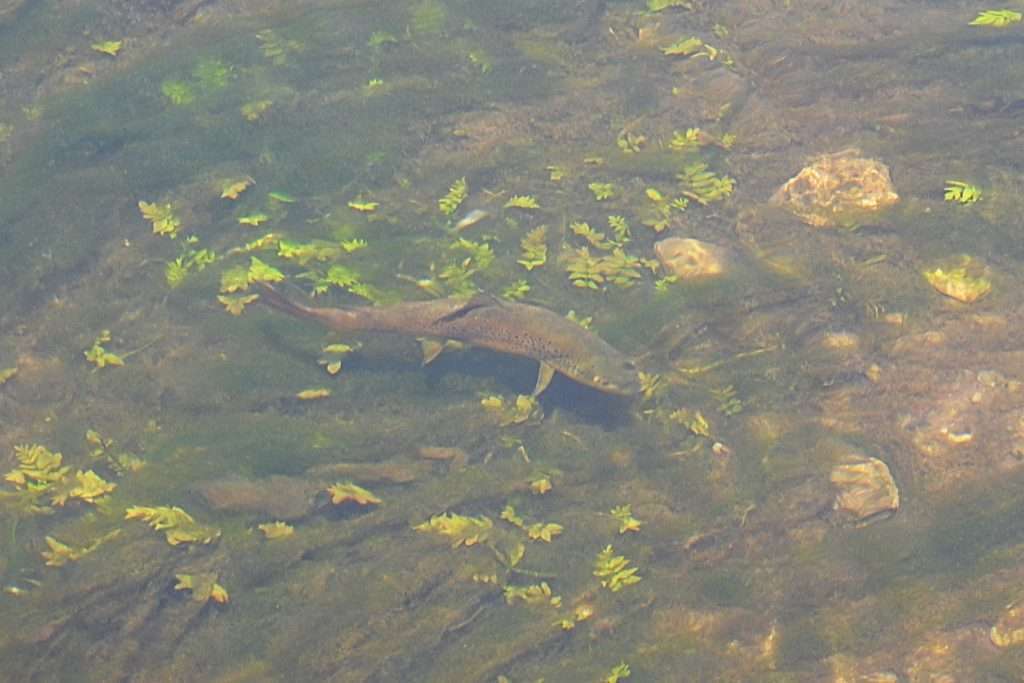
column 349, row 121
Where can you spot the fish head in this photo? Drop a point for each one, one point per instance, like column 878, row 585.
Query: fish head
column 611, row 374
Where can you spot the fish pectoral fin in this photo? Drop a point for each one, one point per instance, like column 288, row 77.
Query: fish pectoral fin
column 544, row 374
column 432, row 348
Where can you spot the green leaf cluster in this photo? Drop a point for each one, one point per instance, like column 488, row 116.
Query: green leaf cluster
column 180, row 93
column 630, row 142
column 162, row 217
column 178, row 270
column 703, row 185
column 59, row 554
column 42, row 472
column 275, row 48
column 592, row 272
column 613, row 571
column 178, row 526
column 522, row 201
column 259, row 271
column 521, row 411
column 659, row 5
column 596, row 239
column 204, row 587
column 539, row 531
column 624, row 515
column 535, row 248
column 449, row 203
column 618, row 672
column 516, row 291
column 99, row 356
column 534, row 594
column 997, row 18
column 461, row 530
column 962, row 193
column 658, row 216
column 602, row 191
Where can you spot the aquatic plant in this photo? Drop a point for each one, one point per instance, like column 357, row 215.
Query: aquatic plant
column 275, row 48
column 191, row 259
column 659, row 5
column 211, row 74
column 428, row 17
column 602, row 190
column 59, row 554
column 380, row 38
column 540, row 485
column 261, row 272
column 99, row 356
column 461, row 530
column 457, row 193
column 624, row 515
column 703, row 185
column 346, row 491
column 535, row 248
column 584, row 269
column 363, row 206
column 534, row 594
column 162, row 217
column 961, row 192
column 620, row 670
column 596, row 239
column 253, row 219
column 543, row 532
column 619, row 226
column 38, row 467
column 630, row 142
column 996, row 18
column 179, row 92
column 233, row 188
column 522, row 201
column 613, row 571
column 103, row 448
column 333, row 365
column 254, row 111
column 108, row 47
column 313, row 394
column 178, row 526
column 521, row 411
column 684, row 47
column 86, row 486
column 203, row 586
column 556, row 173
column 274, row 530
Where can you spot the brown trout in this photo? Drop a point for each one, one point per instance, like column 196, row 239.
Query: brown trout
column 558, row 344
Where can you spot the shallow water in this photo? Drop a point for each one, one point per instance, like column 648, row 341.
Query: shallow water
column 344, row 129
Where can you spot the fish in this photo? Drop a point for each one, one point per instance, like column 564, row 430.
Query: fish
column 555, row 342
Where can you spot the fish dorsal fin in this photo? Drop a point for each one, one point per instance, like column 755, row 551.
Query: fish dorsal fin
column 478, row 300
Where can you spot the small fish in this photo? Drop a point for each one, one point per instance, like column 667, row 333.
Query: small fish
column 558, row 344
column 471, row 219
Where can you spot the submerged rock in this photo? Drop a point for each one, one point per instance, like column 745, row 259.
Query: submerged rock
column 966, row 281
column 277, row 496
column 865, row 488
column 838, row 189
column 690, row 259
column 1009, row 630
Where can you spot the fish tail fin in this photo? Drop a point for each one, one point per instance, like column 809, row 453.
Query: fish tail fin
column 337, row 319
column 276, row 300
